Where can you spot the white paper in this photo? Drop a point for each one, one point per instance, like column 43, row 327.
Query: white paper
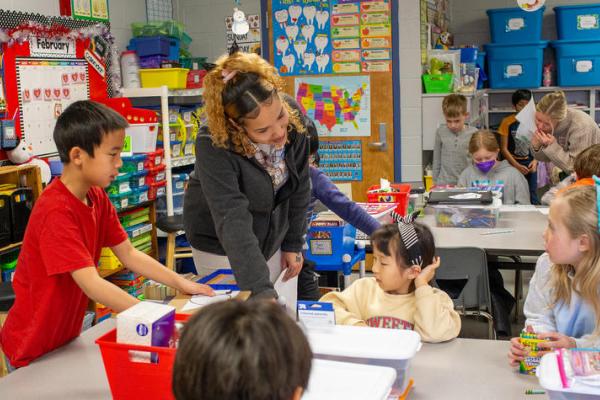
column 198, row 300
column 526, row 118
column 518, row 208
column 288, row 292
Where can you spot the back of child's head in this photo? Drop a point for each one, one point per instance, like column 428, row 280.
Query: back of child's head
column 84, row 124
column 241, row 350
column 388, row 240
column 454, row 106
column 520, row 95
column 587, row 163
column 483, row 139
column 581, row 220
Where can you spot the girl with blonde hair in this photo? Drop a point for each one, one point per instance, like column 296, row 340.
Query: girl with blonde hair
column 246, row 201
column 563, row 303
column 562, row 132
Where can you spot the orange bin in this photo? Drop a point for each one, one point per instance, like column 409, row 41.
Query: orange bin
column 400, row 195
column 137, row 380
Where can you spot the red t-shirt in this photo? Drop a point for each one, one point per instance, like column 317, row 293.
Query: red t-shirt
column 63, row 235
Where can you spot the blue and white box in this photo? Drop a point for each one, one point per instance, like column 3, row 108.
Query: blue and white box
column 315, row 313
column 146, row 324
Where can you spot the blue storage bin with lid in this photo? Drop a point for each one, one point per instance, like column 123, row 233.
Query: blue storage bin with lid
column 138, row 179
column 155, row 46
column 578, row 62
column 515, row 65
column 179, row 181
column 514, row 25
column 138, row 195
column 133, row 163
column 578, row 22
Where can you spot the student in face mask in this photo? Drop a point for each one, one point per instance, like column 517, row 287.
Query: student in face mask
column 487, row 170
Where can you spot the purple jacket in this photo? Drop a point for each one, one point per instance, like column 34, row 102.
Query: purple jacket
column 325, row 191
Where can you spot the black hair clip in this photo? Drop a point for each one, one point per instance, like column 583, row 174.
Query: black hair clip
column 209, row 66
column 234, row 48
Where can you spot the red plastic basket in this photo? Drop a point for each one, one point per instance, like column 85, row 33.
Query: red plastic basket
column 400, row 196
column 154, row 158
column 136, row 380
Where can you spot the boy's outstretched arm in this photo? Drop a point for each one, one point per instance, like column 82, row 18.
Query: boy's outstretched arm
column 147, row 266
column 101, row 290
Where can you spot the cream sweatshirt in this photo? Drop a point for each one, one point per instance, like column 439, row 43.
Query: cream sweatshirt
column 430, row 312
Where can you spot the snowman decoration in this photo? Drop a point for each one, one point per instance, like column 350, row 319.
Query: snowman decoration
column 240, row 26
column 23, row 155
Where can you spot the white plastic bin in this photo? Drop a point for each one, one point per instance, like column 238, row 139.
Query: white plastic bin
column 338, row 380
column 375, row 346
column 143, row 137
column 549, row 377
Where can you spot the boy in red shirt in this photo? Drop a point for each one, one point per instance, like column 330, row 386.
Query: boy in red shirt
column 70, row 224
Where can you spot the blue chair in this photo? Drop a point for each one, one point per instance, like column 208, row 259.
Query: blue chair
column 334, row 248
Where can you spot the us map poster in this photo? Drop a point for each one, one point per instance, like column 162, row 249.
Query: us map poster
column 339, row 105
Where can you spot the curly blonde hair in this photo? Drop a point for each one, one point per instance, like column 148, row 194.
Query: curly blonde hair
column 229, row 103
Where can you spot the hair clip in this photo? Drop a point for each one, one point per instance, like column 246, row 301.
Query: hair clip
column 209, row 66
column 234, row 48
column 409, row 237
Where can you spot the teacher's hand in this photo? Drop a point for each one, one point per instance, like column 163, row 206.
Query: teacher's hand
column 292, row 263
column 541, row 138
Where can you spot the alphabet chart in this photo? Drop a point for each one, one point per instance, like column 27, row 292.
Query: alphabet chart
column 46, row 87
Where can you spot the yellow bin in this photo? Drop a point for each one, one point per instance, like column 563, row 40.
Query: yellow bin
column 174, row 78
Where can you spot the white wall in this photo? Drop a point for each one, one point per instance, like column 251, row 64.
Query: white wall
column 122, row 14
column 469, row 22
column 410, row 91
column 204, row 21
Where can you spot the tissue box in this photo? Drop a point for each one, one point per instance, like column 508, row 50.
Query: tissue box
column 315, row 313
column 147, row 324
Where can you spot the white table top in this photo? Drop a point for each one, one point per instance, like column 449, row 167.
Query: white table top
column 459, row 369
column 525, row 240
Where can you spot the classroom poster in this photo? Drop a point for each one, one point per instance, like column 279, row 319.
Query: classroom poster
column 361, row 36
column 46, row 87
column 301, row 33
column 339, row 105
column 341, row 161
column 249, row 42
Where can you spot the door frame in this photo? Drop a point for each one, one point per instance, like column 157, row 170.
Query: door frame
column 266, row 53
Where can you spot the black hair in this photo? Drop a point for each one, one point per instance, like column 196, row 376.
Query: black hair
column 83, row 124
column 313, row 139
column 521, row 94
column 241, row 350
column 386, row 239
column 244, row 93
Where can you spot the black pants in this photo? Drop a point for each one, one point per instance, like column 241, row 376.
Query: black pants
column 502, row 301
column 308, row 282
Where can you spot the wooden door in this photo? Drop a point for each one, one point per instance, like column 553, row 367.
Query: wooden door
column 375, row 162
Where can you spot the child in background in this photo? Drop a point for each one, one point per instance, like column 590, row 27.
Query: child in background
column 450, row 154
column 586, row 165
column 70, row 223
column 486, row 170
column 241, row 350
column 516, row 151
column 562, row 304
column 399, row 296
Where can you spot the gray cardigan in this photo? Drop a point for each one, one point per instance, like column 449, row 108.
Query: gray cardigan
column 230, row 208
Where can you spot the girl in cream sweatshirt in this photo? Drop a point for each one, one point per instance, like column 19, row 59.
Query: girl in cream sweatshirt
column 399, row 295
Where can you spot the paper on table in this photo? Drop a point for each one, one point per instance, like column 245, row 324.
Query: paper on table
column 288, row 291
column 526, row 118
column 517, row 208
column 198, row 300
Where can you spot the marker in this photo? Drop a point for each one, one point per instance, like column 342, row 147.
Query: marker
column 535, row 391
column 498, row 232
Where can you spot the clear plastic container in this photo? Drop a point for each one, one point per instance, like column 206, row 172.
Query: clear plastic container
column 480, row 216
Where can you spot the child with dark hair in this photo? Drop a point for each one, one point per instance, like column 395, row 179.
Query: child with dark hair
column 241, row 350
column 515, row 150
column 70, row 224
column 399, row 295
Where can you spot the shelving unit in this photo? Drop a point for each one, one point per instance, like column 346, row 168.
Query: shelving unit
column 162, row 96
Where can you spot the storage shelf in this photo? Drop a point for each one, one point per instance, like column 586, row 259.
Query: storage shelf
column 157, row 92
column 10, row 247
column 182, row 161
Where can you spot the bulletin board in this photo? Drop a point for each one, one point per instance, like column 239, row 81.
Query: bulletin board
column 37, row 52
column 45, row 88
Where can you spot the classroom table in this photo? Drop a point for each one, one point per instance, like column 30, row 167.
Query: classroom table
column 524, row 239
column 459, row 369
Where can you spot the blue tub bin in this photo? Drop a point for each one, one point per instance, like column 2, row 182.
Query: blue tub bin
column 514, row 25
column 578, row 62
column 578, row 22
column 515, row 65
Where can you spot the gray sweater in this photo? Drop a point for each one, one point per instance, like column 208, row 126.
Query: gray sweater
column 516, row 189
column 230, row 208
column 450, row 154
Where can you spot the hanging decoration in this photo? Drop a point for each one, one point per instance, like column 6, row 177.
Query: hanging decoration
column 531, row 5
column 35, row 29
